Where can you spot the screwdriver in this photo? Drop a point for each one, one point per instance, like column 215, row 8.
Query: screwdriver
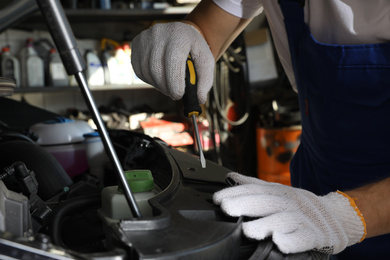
column 191, row 103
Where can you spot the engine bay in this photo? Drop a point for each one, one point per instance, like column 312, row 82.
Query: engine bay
column 45, row 213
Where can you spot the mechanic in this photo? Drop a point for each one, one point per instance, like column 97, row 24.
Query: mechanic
column 336, row 54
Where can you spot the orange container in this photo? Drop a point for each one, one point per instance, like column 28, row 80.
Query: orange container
column 275, row 149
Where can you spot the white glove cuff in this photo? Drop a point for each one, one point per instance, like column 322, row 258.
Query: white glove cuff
column 347, row 212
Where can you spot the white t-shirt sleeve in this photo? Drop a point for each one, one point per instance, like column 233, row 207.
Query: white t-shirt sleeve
column 241, row 8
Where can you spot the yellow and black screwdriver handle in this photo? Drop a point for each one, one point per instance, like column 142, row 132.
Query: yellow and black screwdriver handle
column 190, row 98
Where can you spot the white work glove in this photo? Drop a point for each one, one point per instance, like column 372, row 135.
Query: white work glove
column 297, row 220
column 159, row 57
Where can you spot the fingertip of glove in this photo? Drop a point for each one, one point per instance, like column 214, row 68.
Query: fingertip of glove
column 202, row 98
column 216, row 199
column 227, row 204
column 230, row 207
column 252, row 231
column 176, row 95
column 219, row 196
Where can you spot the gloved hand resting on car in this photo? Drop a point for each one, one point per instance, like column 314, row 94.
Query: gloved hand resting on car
column 297, row 220
column 159, row 57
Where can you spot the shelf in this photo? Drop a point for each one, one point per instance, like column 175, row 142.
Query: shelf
column 117, row 15
column 116, row 24
column 49, row 89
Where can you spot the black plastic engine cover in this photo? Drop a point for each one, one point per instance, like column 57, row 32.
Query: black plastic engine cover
column 186, row 224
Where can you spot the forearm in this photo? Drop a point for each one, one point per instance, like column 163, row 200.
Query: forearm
column 373, row 201
column 218, row 27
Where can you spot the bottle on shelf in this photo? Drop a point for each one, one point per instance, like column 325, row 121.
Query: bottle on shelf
column 123, row 72
column 32, row 66
column 10, row 67
column 57, row 72
column 94, row 72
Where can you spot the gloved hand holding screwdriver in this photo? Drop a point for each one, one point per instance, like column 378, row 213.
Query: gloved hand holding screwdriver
column 160, row 54
column 297, row 220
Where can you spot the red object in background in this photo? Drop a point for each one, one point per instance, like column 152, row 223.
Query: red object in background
column 232, row 114
column 170, row 132
column 275, row 149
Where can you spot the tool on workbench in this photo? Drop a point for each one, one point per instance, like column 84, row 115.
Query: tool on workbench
column 192, row 108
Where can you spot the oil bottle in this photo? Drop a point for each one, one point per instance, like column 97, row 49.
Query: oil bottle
column 57, row 73
column 10, row 67
column 32, row 66
column 95, row 72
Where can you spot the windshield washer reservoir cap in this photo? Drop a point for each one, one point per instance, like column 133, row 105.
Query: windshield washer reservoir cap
column 59, row 120
column 139, row 180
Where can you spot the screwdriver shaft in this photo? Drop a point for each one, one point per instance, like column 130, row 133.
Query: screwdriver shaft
column 196, row 131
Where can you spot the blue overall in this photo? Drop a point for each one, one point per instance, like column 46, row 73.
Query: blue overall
column 344, row 96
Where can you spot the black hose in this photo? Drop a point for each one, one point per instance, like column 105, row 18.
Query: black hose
column 50, row 174
column 67, row 208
